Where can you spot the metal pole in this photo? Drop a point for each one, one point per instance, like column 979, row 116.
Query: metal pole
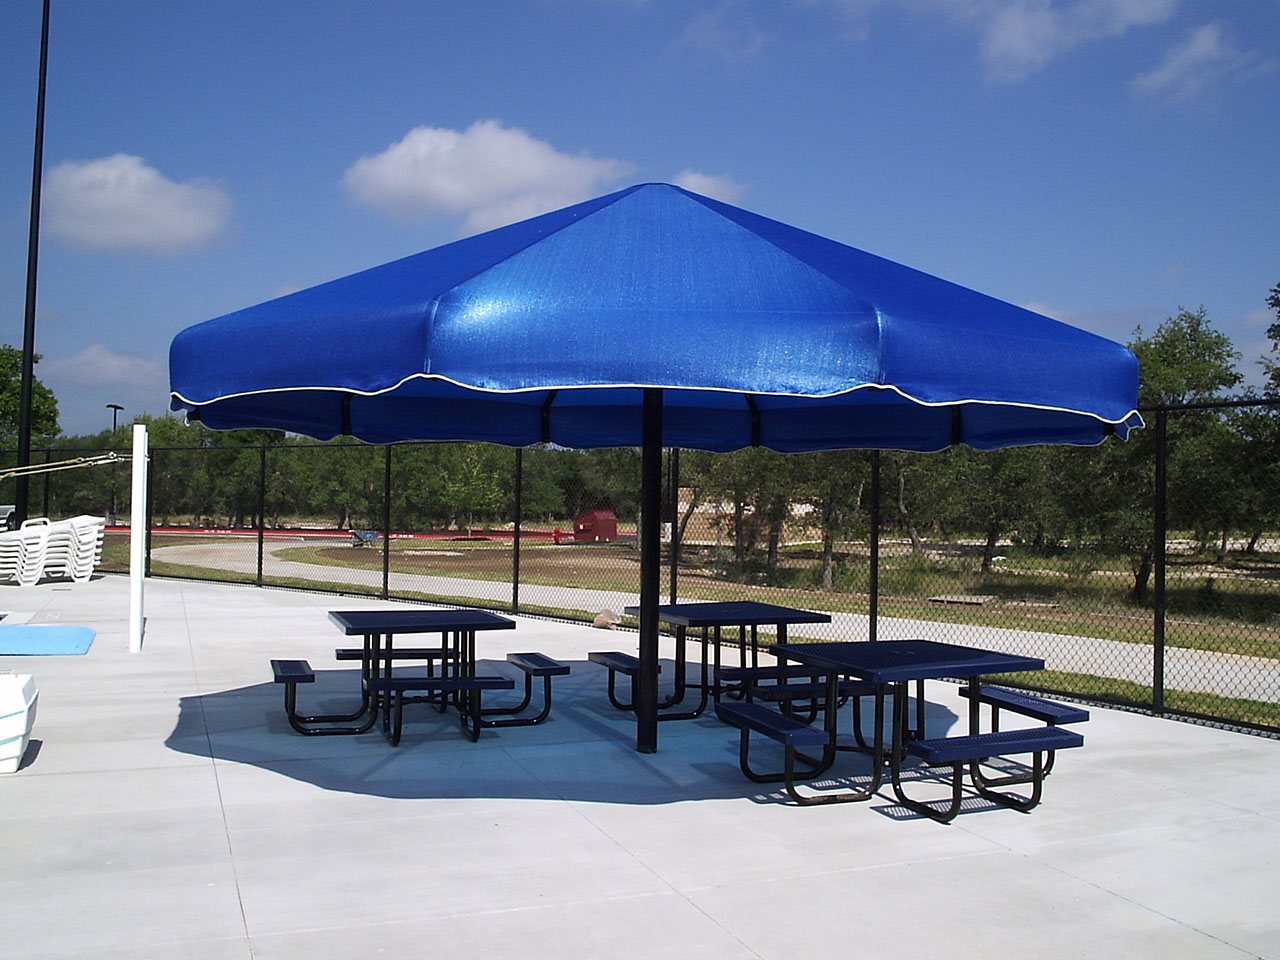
column 874, row 587
column 22, row 492
column 646, row 687
column 515, row 530
column 386, row 523
column 1158, row 550
column 151, row 477
column 262, row 506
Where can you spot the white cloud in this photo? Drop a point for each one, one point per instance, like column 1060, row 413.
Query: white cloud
column 488, row 174
column 724, row 31
column 1205, row 55
column 1019, row 37
column 97, row 366
column 119, row 203
column 86, row 382
column 718, row 188
column 1259, row 319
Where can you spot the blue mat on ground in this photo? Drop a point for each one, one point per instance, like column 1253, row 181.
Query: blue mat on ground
column 44, row 640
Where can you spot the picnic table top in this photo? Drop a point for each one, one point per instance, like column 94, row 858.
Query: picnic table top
column 894, row 661
column 363, row 622
column 731, row 613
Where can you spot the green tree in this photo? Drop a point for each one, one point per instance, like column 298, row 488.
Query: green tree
column 44, row 406
column 833, row 484
column 1185, row 361
column 1257, row 479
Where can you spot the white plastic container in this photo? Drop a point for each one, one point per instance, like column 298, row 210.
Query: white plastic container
column 18, row 697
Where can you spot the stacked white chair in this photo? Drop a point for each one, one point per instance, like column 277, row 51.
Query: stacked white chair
column 74, row 548
column 34, row 534
column 11, row 554
column 89, row 534
column 68, row 548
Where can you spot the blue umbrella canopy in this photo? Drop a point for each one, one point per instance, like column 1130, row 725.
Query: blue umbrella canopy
column 651, row 317
column 757, row 333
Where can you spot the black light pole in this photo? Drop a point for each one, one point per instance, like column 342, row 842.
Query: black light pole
column 21, row 495
column 115, row 408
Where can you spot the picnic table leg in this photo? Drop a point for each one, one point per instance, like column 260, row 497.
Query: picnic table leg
column 511, row 712
column 681, row 686
column 895, row 765
column 829, row 752
column 365, row 709
column 705, row 677
column 383, row 669
column 720, row 690
column 920, row 705
column 469, row 713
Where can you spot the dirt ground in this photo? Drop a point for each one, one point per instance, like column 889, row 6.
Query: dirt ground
column 568, row 562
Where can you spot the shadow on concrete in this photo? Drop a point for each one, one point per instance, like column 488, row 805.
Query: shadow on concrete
column 584, row 751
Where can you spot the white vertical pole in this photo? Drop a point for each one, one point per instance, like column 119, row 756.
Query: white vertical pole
column 137, row 536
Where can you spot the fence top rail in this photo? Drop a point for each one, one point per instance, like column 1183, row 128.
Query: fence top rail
column 1210, row 405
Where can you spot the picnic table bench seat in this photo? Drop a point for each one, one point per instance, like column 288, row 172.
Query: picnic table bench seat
column 292, row 671
column 977, row 748
column 757, row 718
column 363, row 538
column 1051, row 712
column 1037, row 708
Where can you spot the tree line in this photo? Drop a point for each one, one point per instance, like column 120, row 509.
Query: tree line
column 1223, row 478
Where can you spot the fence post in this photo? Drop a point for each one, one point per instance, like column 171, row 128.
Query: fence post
column 262, row 505
column 386, row 523
column 516, row 509
column 874, row 585
column 146, row 541
column 673, row 513
column 1158, row 547
column 139, row 526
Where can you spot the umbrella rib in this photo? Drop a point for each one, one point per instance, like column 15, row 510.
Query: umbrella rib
column 956, row 431
column 755, row 419
column 346, row 414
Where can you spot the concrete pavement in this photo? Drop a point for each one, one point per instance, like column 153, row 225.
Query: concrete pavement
column 170, row 812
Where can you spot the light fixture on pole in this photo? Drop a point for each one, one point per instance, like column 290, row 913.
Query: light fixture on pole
column 115, row 409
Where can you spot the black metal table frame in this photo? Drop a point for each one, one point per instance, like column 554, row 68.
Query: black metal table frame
column 948, row 660
column 712, row 616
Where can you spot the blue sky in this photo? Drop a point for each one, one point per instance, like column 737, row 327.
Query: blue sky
column 1103, row 161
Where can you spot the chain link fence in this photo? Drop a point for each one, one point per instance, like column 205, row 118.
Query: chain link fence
column 1048, row 551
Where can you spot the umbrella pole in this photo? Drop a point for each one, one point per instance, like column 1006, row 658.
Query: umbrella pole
column 646, row 696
